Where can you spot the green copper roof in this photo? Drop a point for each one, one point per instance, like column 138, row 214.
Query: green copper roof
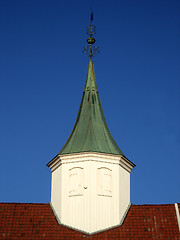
column 90, row 132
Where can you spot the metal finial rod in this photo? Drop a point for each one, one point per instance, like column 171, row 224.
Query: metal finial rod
column 91, row 31
column 91, row 52
column 91, row 17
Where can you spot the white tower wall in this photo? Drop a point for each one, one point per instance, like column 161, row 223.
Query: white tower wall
column 90, row 191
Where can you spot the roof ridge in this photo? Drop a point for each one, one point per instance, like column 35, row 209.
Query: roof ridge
column 24, row 203
column 154, row 204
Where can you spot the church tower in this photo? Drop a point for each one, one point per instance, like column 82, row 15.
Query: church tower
column 90, row 175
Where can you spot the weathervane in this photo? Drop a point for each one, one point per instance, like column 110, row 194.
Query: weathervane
column 91, row 50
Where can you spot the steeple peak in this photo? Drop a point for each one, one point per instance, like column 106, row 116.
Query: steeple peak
column 90, row 132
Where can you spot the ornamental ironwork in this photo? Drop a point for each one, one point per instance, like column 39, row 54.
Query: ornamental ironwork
column 91, row 49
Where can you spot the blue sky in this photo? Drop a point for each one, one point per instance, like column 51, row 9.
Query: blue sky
column 43, row 72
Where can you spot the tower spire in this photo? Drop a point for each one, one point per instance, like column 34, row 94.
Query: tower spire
column 90, row 132
column 91, row 49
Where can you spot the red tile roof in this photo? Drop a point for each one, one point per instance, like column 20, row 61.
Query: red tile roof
column 37, row 221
